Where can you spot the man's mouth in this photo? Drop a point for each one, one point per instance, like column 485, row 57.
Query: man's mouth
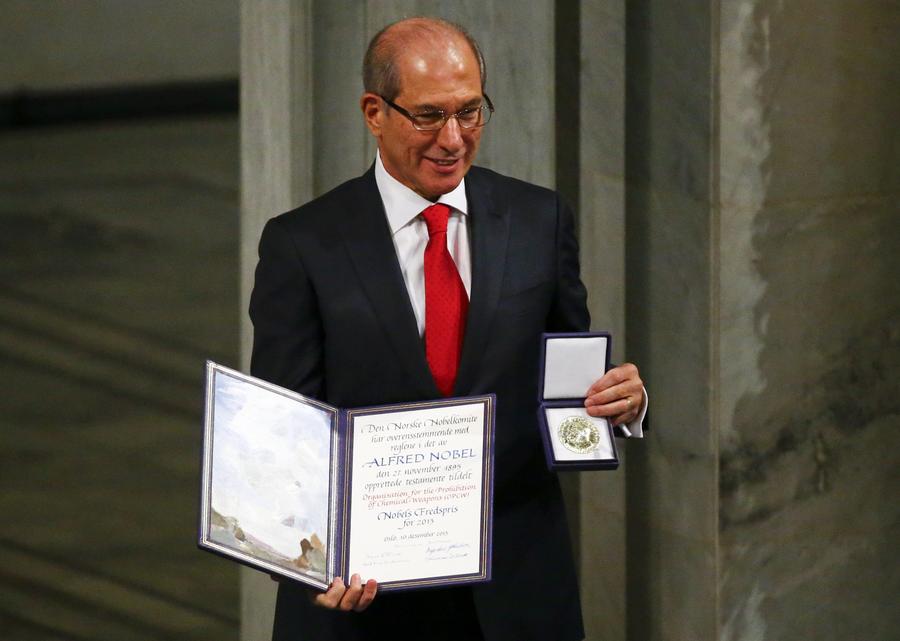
column 443, row 163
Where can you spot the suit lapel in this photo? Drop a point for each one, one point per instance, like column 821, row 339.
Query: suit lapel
column 489, row 233
column 371, row 249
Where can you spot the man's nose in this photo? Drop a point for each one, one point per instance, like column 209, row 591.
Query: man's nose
column 450, row 135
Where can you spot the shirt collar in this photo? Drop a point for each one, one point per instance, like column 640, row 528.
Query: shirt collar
column 402, row 204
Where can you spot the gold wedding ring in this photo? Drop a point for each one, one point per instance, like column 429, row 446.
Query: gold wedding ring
column 627, row 402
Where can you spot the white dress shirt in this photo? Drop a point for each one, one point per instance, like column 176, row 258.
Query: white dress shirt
column 410, row 235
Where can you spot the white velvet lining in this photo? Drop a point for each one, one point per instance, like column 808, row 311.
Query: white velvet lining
column 572, row 365
column 556, row 415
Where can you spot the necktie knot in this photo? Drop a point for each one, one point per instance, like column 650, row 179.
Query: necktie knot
column 436, row 217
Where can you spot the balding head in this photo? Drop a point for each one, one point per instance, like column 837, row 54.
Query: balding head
column 424, row 67
column 381, row 72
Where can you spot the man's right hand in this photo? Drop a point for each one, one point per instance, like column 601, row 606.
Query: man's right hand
column 355, row 597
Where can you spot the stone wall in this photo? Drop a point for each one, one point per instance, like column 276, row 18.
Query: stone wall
column 809, row 310
column 763, row 303
column 48, row 44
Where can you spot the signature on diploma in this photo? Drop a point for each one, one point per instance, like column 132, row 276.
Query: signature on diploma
column 450, row 551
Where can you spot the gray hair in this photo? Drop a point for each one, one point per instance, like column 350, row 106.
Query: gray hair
column 379, row 71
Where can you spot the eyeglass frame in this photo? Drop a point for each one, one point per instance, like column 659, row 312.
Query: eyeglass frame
column 445, row 117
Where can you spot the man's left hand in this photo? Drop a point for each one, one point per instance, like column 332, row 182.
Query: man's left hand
column 618, row 394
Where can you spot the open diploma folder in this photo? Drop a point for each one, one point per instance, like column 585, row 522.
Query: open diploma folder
column 402, row 494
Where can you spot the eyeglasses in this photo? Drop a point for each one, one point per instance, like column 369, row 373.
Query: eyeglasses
column 468, row 118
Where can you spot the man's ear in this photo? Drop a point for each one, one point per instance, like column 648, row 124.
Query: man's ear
column 373, row 112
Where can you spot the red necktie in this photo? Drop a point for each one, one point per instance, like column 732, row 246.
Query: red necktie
column 446, row 302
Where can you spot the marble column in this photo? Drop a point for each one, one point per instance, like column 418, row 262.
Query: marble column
column 763, row 229
column 276, row 175
column 809, row 310
column 598, row 499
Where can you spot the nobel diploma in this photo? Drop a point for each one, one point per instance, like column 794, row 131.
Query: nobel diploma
column 418, row 489
column 292, row 486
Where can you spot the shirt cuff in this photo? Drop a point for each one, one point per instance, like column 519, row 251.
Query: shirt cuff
column 635, row 429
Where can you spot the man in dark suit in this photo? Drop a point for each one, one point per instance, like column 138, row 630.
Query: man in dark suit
column 427, row 277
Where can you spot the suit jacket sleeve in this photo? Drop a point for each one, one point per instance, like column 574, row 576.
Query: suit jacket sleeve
column 287, row 328
column 569, row 312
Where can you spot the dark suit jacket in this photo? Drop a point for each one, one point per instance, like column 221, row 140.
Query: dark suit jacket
column 332, row 319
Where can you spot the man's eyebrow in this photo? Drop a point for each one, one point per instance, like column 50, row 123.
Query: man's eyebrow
column 426, row 107
column 474, row 102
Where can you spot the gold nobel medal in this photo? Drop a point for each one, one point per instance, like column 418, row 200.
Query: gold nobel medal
column 579, row 435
